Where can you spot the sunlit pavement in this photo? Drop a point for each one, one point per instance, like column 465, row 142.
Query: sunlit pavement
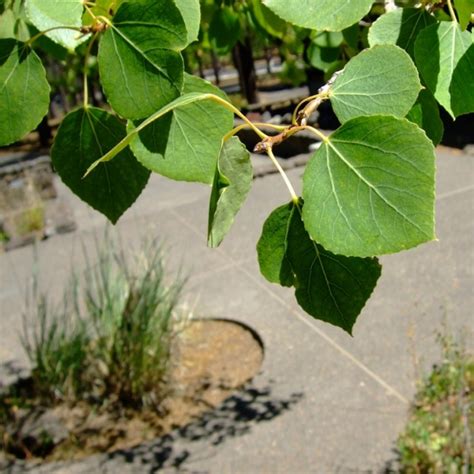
column 323, row 402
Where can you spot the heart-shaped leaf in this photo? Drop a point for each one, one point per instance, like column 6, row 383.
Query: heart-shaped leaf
column 329, row 287
column 139, row 67
column 369, row 189
column 379, row 80
column 24, row 91
column 84, row 136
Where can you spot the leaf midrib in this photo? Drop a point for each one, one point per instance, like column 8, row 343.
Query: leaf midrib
column 323, row 270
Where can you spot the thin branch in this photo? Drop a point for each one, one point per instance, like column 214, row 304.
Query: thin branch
column 451, row 11
column 86, row 70
column 294, row 196
column 243, row 126
column 42, row 33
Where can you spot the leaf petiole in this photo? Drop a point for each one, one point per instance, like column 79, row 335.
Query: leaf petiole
column 86, row 70
column 294, row 196
column 318, row 133
column 451, row 11
column 243, row 126
column 42, row 33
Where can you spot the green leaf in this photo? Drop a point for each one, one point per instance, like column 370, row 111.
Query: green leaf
column 324, row 52
column 150, row 24
column 48, row 46
column 191, row 13
column 462, row 98
column 232, row 183
column 271, row 23
column 125, row 142
column 325, row 59
column 24, row 91
column 139, row 71
column 292, row 72
column 45, row 14
column 83, row 137
column 331, row 15
column 329, row 287
column 400, row 27
column 425, row 113
column 369, row 189
column 224, row 30
column 185, row 144
column 7, row 24
column 351, row 36
column 445, row 58
column 138, row 82
column 465, row 10
column 379, row 80
column 272, row 246
column 23, row 30
column 327, row 39
column 105, row 8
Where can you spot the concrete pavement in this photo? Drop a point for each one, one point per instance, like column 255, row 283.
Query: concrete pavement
column 323, row 402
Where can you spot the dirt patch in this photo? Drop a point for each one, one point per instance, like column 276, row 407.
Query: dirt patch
column 215, row 357
column 212, row 358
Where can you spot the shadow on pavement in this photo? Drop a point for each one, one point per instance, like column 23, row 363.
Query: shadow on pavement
column 232, row 418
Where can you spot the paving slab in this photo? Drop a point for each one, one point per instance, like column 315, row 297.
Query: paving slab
column 323, row 401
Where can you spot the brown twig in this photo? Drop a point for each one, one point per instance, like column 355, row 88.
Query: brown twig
column 269, row 142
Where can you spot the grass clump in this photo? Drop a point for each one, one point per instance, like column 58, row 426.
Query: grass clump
column 110, row 340
column 439, row 435
column 30, row 220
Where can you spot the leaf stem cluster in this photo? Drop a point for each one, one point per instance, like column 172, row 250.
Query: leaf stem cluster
column 264, row 146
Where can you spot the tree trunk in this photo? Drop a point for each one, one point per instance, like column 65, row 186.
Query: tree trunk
column 44, row 132
column 268, row 59
column 243, row 62
column 216, row 66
